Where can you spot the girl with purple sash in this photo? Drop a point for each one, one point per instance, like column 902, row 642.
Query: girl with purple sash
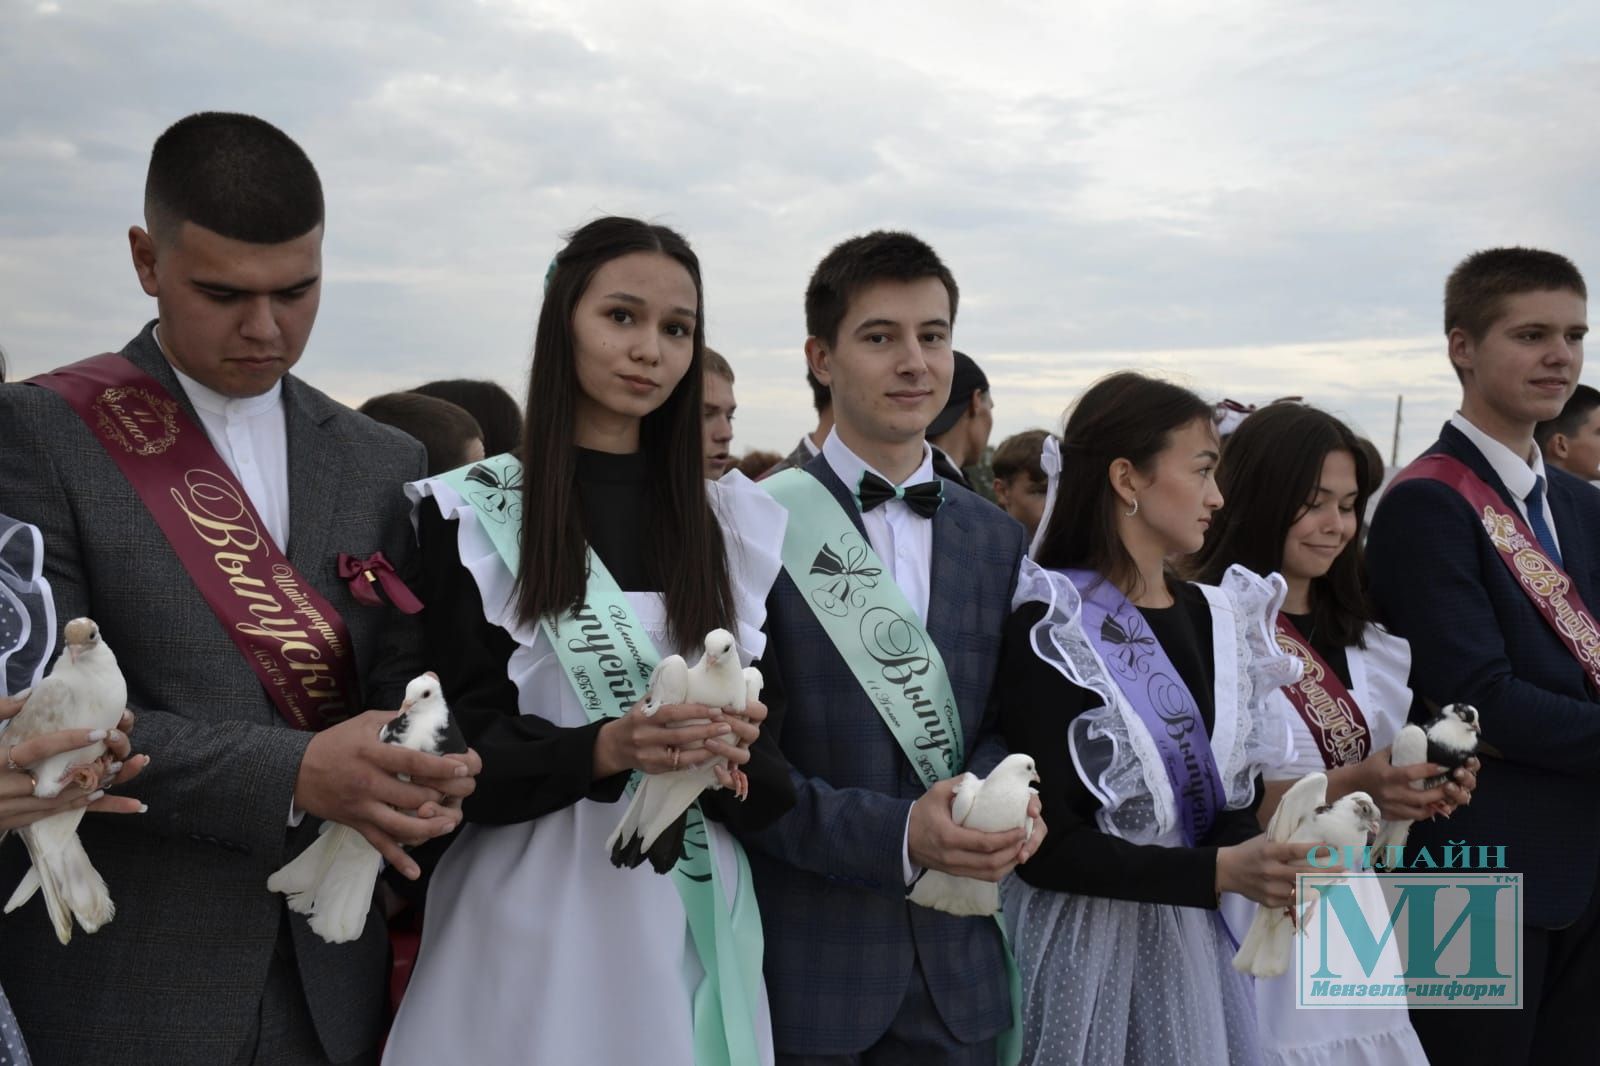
column 1142, row 699
column 1297, row 482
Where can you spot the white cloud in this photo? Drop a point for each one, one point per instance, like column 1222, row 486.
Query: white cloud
column 1265, row 197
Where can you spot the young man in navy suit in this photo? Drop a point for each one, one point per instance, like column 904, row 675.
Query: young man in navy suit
column 855, row 973
column 1515, row 320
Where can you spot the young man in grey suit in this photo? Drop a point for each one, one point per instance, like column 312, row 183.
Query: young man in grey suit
column 202, row 964
column 856, row 973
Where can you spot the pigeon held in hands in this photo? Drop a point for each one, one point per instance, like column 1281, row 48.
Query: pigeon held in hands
column 85, row 690
column 652, row 826
column 1303, row 817
column 1448, row 739
column 332, row 881
column 991, row 804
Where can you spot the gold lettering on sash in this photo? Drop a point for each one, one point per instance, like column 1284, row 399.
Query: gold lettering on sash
column 221, row 518
column 1343, row 733
column 137, row 419
column 1547, row 584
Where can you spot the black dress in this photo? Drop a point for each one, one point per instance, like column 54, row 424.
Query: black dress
column 1037, row 707
column 531, row 766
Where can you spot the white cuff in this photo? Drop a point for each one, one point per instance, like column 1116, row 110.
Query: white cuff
column 910, row 872
column 296, row 815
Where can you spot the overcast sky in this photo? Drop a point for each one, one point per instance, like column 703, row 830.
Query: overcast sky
column 1259, row 198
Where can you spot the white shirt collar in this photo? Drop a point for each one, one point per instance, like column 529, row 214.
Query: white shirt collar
column 811, row 449
column 213, row 402
column 1517, row 472
column 849, row 466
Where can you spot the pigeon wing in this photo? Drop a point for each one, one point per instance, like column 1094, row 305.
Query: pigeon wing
column 967, row 789
column 669, row 684
column 1410, row 747
column 1298, row 806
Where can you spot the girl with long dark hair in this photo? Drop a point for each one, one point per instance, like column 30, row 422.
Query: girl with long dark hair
column 1297, row 483
column 553, row 581
column 1141, row 698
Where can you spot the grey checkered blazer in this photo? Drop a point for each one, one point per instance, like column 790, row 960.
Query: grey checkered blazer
column 178, row 975
column 841, row 939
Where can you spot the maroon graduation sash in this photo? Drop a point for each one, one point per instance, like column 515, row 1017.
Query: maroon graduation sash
column 1329, row 711
column 1545, row 584
column 290, row 635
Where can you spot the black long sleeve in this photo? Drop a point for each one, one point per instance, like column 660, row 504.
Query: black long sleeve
column 1037, row 707
column 532, row 766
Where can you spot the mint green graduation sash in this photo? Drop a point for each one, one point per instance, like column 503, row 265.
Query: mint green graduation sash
column 608, row 657
column 877, row 633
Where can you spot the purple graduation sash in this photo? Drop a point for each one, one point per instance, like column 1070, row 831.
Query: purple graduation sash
column 1329, row 711
column 1157, row 693
column 291, row 636
column 1545, row 584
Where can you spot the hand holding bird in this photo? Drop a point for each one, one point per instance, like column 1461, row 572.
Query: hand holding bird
column 333, row 880
column 1005, row 800
column 84, row 691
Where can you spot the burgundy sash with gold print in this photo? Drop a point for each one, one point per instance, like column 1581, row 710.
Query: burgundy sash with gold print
column 289, row 634
column 1546, row 585
column 1329, row 711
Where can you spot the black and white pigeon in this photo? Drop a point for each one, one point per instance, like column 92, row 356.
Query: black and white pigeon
column 992, row 804
column 652, row 826
column 1303, row 817
column 85, row 690
column 332, row 881
column 1449, row 739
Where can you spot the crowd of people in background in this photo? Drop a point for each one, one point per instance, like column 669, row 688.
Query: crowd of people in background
column 917, row 605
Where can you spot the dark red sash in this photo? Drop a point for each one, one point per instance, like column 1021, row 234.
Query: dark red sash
column 289, row 634
column 1546, row 585
column 1329, row 711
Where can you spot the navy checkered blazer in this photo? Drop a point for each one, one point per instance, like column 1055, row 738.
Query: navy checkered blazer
column 1438, row 581
column 841, row 940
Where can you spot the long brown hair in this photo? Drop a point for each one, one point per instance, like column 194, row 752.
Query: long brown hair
column 1123, row 416
column 684, row 548
column 1268, row 475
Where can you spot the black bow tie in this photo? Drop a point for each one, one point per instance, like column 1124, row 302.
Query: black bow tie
column 924, row 499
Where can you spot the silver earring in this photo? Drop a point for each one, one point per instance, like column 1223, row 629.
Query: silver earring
column 1130, row 512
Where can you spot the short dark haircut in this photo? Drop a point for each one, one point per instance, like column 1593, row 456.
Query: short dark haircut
column 1476, row 291
column 1123, row 416
column 1268, row 474
column 686, row 554
column 443, row 428
column 821, row 395
column 1572, row 417
column 495, row 410
column 235, row 175
column 1019, row 454
column 882, row 255
column 716, row 364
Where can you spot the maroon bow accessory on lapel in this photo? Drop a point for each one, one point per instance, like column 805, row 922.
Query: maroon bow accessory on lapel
column 375, row 569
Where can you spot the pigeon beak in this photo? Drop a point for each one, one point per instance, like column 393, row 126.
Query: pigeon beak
column 1033, row 775
column 712, row 658
column 406, row 705
column 73, row 651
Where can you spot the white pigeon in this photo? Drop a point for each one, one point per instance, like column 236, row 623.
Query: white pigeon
column 332, row 881
column 992, row 804
column 85, row 690
column 660, row 800
column 1449, row 739
column 1303, row 817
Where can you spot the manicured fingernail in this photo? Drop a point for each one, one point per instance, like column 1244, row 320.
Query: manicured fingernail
column 144, row 808
column 96, row 795
column 114, row 735
column 114, row 769
column 97, row 734
column 461, row 770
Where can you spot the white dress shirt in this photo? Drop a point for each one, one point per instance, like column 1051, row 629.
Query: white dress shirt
column 1517, row 472
column 903, row 540
column 811, row 449
column 251, row 437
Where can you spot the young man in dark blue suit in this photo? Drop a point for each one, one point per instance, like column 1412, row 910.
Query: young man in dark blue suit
column 855, row 973
column 1515, row 320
